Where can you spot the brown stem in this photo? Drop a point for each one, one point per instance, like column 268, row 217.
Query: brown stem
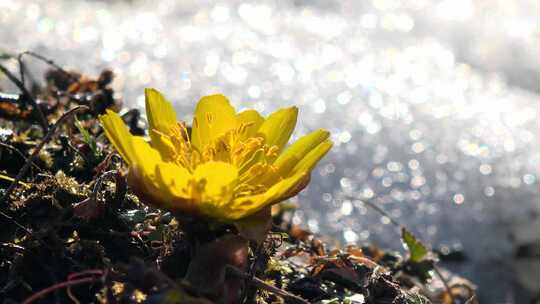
column 68, row 283
column 47, row 61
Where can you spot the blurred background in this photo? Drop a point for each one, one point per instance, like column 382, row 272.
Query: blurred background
column 433, row 105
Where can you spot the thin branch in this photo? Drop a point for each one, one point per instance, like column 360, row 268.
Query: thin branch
column 24, row 73
column 77, row 151
column 99, row 183
column 13, row 246
column 46, row 139
column 47, row 61
column 445, row 283
column 73, row 276
column 15, row 222
column 251, row 271
column 383, row 213
column 70, row 282
column 26, row 94
column 11, row 179
column 22, row 68
column 12, row 148
column 258, row 283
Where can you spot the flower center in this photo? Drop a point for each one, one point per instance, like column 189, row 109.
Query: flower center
column 250, row 155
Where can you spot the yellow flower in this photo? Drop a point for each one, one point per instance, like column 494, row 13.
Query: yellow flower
column 231, row 166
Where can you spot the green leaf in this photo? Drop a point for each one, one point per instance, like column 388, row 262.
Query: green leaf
column 417, row 250
column 88, row 139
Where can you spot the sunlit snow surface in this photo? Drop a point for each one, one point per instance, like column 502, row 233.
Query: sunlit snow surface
column 421, row 124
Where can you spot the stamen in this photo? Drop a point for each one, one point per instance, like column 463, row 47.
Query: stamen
column 209, row 118
column 244, row 126
column 184, row 132
column 253, row 173
column 250, row 156
column 272, row 152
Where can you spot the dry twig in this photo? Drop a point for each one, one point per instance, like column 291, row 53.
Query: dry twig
column 94, row 276
column 258, row 283
column 12, row 148
column 27, row 95
column 47, row 61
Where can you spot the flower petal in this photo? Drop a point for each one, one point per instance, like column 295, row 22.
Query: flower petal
column 159, row 112
column 213, row 116
column 219, row 179
column 162, row 185
column 312, row 158
column 163, row 144
column 295, row 152
column 173, row 178
column 247, row 205
column 145, row 155
column 278, row 127
column 141, row 158
column 143, row 167
column 118, row 135
column 285, row 163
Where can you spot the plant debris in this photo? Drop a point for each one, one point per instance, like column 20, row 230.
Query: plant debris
column 73, row 231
